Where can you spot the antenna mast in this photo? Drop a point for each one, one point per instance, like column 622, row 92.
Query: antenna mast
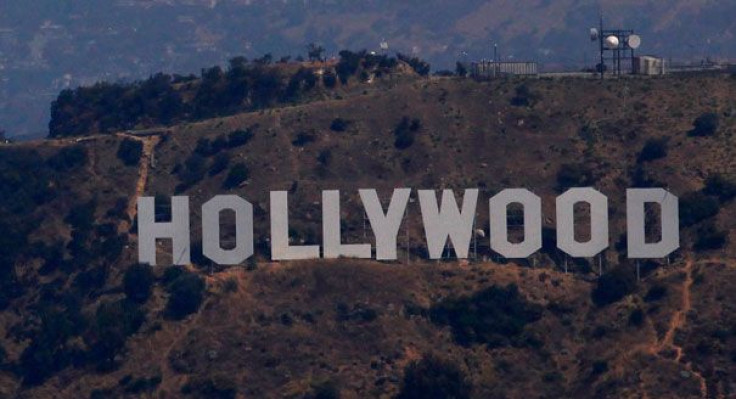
column 600, row 40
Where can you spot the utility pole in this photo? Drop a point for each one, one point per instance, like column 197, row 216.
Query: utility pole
column 600, row 41
column 495, row 58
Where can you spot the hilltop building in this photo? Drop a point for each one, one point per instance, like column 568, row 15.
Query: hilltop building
column 648, row 65
column 495, row 69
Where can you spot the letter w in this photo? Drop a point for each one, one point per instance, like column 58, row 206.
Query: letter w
column 449, row 221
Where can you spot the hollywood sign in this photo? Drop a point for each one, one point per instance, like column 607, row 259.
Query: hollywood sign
column 444, row 222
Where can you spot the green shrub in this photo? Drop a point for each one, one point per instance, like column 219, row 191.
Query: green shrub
column 219, row 164
column 24, row 183
column 653, row 149
column 524, row 97
column 642, row 178
column 655, row 293
column 47, row 353
column 358, row 313
column 186, row 294
column 599, row 367
column 719, row 186
column 574, row 175
column 339, row 125
column 171, row 274
column 612, row 286
column 324, row 157
column 495, row 316
column 193, row 171
column 230, row 285
column 217, row 386
column 114, row 322
column 460, row 69
column 405, row 131
column 69, row 158
column 130, row 152
column 446, row 73
column 348, row 65
column 140, row 385
column 696, row 207
column 102, row 393
column 138, row 282
column 239, row 137
column 433, row 377
column 204, row 147
column 237, row 174
column 303, row 138
column 82, row 217
column 710, row 238
column 705, row 125
column 329, row 79
column 324, row 390
column 87, row 282
column 419, row 66
column 636, row 317
column 219, row 143
column 301, row 82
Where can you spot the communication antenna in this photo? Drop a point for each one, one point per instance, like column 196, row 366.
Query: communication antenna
column 612, row 42
column 634, row 41
column 593, row 34
column 384, row 45
column 602, row 64
column 620, row 43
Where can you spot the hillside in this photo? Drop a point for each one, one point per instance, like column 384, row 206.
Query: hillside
column 81, row 320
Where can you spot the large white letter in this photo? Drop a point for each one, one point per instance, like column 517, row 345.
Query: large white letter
column 385, row 226
column 636, row 236
column 177, row 230
column 439, row 224
column 211, row 247
column 566, row 222
column 280, row 248
column 333, row 246
column 532, row 223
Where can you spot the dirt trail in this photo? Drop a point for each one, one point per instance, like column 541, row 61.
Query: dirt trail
column 149, row 143
column 678, row 322
column 680, row 317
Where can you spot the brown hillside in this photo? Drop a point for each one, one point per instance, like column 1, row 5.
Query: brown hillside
column 290, row 329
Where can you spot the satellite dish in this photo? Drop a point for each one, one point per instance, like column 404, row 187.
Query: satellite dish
column 612, row 42
column 634, row 41
column 384, row 45
column 593, row 34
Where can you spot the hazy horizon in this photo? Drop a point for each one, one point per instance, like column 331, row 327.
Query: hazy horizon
column 54, row 45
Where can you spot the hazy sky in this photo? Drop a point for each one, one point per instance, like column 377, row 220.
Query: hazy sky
column 47, row 45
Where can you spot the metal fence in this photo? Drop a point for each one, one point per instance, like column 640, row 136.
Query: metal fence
column 491, row 69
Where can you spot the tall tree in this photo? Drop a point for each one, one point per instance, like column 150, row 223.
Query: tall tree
column 315, row 52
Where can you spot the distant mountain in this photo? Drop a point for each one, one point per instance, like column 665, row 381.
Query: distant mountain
column 57, row 44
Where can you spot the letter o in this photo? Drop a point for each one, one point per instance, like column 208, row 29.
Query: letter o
column 211, row 247
column 566, row 222
column 532, row 223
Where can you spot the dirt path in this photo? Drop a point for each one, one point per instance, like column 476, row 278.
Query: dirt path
column 680, row 317
column 677, row 322
column 149, row 143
